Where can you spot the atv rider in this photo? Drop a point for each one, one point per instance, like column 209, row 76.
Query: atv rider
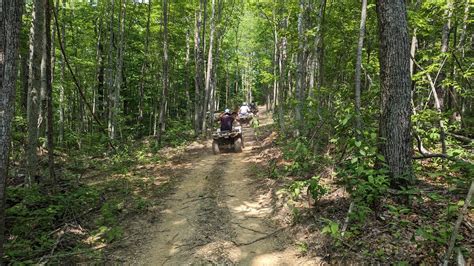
column 253, row 108
column 226, row 120
column 244, row 110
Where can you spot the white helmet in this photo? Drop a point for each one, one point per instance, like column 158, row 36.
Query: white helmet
column 227, row 110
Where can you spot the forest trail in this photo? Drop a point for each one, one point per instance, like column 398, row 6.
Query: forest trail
column 216, row 215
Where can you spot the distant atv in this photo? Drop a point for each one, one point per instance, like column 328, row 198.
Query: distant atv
column 227, row 140
column 254, row 108
column 245, row 119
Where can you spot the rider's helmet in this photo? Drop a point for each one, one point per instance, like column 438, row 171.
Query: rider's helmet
column 227, row 111
column 245, row 103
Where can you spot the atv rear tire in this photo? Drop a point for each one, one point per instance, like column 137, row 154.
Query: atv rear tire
column 215, row 147
column 238, row 145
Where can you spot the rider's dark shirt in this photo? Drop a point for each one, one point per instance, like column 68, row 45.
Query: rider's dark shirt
column 226, row 122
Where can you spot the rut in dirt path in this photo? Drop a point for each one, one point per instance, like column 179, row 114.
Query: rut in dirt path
column 216, row 216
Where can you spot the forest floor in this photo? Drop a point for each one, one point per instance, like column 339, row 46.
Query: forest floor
column 220, row 210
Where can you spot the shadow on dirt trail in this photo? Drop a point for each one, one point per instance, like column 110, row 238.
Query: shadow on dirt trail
column 216, row 216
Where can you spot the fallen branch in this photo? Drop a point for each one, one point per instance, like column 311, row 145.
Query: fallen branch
column 259, row 239
column 452, row 240
column 440, row 155
column 346, row 221
column 248, row 228
column 425, row 154
column 461, row 138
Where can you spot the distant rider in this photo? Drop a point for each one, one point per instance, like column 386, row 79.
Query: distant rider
column 226, row 121
column 244, row 109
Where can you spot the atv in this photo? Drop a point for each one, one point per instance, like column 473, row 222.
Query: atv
column 254, row 109
column 227, row 140
column 245, row 119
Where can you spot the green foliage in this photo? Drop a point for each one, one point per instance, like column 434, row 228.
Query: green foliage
column 332, row 229
column 315, row 189
column 33, row 209
column 302, row 158
column 366, row 183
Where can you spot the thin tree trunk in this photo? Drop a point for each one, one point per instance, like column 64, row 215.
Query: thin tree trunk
column 118, row 81
column 144, row 65
column 197, row 74
column 24, row 58
column 10, row 24
column 281, row 86
column 165, row 80
column 34, row 87
column 110, row 70
column 63, row 69
column 49, row 88
column 395, row 118
column 207, row 88
column 100, row 57
column 275, row 65
column 462, row 38
column 187, row 71
column 360, row 45
column 300, row 70
column 319, row 46
column 441, row 89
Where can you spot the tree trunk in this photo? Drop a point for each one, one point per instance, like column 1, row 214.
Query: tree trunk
column 198, row 73
column 63, row 71
column 360, row 45
column 319, row 46
column 300, row 71
column 49, row 88
column 395, row 118
column 462, row 38
column 110, row 70
column 441, row 89
column 24, row 58
column 187, row 73
column 144, row 64
column 207, row 88
column 165, row 80
column 275, row 64
column 34, row 87
column 281, row 85
column 118, row 80
column 10, row 23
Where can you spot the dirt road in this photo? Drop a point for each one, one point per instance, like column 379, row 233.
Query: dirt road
column 217, row 216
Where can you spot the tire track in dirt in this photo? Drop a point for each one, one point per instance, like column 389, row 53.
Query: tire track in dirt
column 178, row 221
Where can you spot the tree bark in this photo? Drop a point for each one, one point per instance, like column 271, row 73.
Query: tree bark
column 281, row 85
column 300, row 71
column 110, row 69
column 144, row 64
column 49, row 88
column 319, row 46
column 441, row 89
column 10, row 24
column 34, row 87
column 63, row 71
column 118, row 80
column 207, row 88
column 198, row 73
column 165, row 80
column 395, row 117
column 187, row 71
column 360, row 45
